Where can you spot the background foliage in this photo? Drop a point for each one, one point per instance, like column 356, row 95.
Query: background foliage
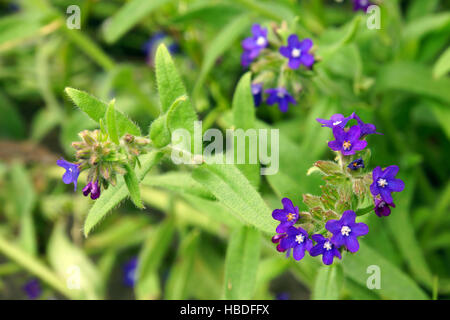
column 196, row 237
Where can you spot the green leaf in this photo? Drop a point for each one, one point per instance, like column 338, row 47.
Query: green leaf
column 170, row 85
column 111, row 123
column 243, row 104
column 24, row 199
column 72, row 265
column 159, row 133
column 241, row 264
column 395, row 284
column 442, row 65
column 406, row 240
column 96, row 109
column 232, row 189
column 181, row 182
column 219, row 45
column 128, row 16
column 418, row 28
column 177, row 284
column 329, row 282
column 181, row 115
column 413, row 78
column 150, row 258
column 132, row 183
column 115, row 194
column 244, row 118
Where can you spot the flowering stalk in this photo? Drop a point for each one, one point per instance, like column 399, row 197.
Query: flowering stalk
column 349, row 191
column 102, row 159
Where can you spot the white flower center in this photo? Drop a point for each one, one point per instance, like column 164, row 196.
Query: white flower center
column 295, row 53
column 280, row 94
column 382, row 183
column 299, row 238
column 327, row 245
column 261, row 41
column 381, row 204
column 345, row 230
column 255, row 90
column 336, row 123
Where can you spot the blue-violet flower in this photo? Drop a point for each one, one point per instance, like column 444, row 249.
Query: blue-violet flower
column 347, row 142
column 384, row 182
column 254, row 44
column 382, row 207
column 129, row 272
column 356, row 164
column 298, row 240
column 71, row 174
column 346, row 231
column 335, row 120
column 93, row 189
column 297, row 52
column 324, row 247
column 287, row 216
column 280, row 96
column 257, row 91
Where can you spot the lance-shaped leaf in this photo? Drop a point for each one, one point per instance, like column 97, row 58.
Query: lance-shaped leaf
column 96, row 109
column 132, row 183
column 111, row 122
column 177, row 284
column 233, row 189
column 241, row 263
column 170, row 86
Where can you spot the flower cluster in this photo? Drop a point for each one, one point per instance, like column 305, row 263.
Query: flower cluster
column 268, row 63
column 329, row 226
column 103, row 160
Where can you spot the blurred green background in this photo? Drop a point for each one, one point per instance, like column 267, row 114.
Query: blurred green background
column 395, row 77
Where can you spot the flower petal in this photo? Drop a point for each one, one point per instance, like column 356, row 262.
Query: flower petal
column 386, row 195
column 306, row 44
column 396, row 185
column 307, row 59
column 390, row 172
column 294, row 63
column 360, row 229
column 299, row 252
column 352, row 244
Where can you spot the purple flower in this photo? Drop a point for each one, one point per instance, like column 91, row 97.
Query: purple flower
column 33, row 289
column 276, row 239
column 346, row 231
column 366, row 128
column 384, row 183
column 324, row 247
column 280, row 96
column 93, row 189
column 361, row 5
column 356, row 164
column 254, row 44
column 72, row 172
column 335, row 120
column 296, row 239
column 287, row 216
column 297, row 52
column 382, row 207
column 129, row 272
column 347, row 141
column 257, row 91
